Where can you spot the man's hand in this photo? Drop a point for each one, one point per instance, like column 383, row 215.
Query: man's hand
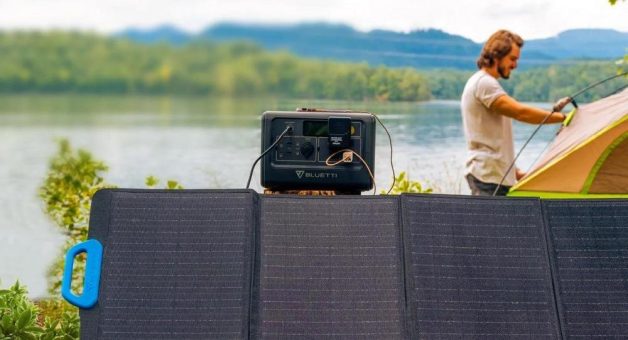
column 560, row 104
column 519, row 174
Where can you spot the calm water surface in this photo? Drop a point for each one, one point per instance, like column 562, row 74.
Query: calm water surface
column 200, row 142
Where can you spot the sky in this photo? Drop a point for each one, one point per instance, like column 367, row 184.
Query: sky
column 474, row 19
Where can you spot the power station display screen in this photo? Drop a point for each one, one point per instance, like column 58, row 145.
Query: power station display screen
column 320, row 128
column 315, row 128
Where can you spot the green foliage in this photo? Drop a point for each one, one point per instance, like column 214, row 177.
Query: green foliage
column 72, row 180
column 403, row 184
column 20, row 318
column 173, row 185
column 152, row 181
column 18, row 315
column 68, row 327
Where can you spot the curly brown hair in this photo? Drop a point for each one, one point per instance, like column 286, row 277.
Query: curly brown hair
column 497, row 47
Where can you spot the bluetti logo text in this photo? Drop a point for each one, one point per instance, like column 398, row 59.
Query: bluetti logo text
column 327, row 175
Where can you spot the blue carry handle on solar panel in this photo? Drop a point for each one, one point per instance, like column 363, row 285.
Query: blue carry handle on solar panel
column 91, row 282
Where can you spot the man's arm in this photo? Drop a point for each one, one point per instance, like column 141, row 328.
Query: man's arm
column 507, row 106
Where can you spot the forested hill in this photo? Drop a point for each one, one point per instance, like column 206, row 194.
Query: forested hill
column 421, row 49
column 55, row 62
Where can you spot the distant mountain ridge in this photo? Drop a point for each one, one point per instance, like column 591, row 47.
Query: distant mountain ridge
column 423, row 49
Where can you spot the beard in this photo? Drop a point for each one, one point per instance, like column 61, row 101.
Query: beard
column 502, row 72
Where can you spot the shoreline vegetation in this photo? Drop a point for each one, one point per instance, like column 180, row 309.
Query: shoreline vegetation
column 59, row 62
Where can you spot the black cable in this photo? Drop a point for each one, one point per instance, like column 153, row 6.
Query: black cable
column 520, row 150
column 572, row 97
column 392, row 166
column 288, row 128
column 598, row 83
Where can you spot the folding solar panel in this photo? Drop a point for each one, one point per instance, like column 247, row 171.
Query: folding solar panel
column 330, row 267
column 176, row 264
column 477, row 268
column 589, row 242
column 219, row 264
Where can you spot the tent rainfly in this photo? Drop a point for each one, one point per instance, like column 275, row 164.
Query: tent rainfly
column 588, row 158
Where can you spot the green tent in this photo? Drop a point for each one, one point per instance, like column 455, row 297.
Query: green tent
column 588, row 158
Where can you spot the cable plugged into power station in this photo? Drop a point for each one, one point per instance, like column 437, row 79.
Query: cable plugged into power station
column 288, row 129
column 392, row 166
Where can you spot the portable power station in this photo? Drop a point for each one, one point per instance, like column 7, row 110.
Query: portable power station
column 298, row 161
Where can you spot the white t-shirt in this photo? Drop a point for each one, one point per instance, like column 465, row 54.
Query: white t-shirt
column 489, row 134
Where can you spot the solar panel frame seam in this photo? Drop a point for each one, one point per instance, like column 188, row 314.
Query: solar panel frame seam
column 402, row 269
column 553, row 270
column 254, row 269
column 410, row 312
column 408, row 320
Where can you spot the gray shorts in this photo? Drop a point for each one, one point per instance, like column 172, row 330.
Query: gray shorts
column 479, row 188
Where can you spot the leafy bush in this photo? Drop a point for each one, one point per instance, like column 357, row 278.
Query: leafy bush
column 60, row 320
column 72, row 180
column 18, row 315
column 152, row 181
column 403, row 184
column 20, row 318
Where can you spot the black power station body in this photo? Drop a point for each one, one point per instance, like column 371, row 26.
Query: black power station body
column 298, row 160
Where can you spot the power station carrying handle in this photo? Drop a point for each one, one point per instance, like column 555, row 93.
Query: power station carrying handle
column 93, row 249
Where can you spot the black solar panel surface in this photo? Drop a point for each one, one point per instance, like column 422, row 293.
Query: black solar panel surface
column 176, row 264
column 590, row 249
column 330, row 268
column 477, row 268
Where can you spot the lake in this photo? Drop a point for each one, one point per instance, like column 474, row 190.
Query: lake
column 201, row 143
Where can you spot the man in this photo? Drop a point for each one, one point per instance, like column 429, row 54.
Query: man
column 486, row 114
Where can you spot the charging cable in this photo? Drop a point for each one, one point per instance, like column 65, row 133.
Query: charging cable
column 392, row 166
column 347, row 157
column 288, row 129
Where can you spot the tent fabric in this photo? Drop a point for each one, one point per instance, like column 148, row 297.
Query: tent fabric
column 330, row 268
column 233, row 264
column 176, row 264
column 577, row 150
column 610, row 178
column 589, row 242
column 478, row 268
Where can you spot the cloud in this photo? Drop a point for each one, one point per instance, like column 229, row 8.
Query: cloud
column 470, row 18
